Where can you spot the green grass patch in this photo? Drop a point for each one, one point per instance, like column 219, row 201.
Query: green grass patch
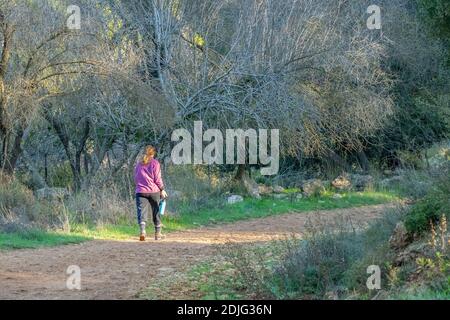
column 291, row 190
column 248, row 209
column 37, row 239
column 215, row 281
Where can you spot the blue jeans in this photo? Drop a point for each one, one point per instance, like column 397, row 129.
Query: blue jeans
column 146, row 202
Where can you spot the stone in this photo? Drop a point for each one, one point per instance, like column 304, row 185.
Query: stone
column 280, row 195
column 298, row 196
column 399, row 238
column 337, row 196
column 313, row 187
column 234, row 199
column 265, row 190
column 52, row 194
column 278, row 189
column 342, row 182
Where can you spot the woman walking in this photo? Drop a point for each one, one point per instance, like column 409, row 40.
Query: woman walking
column 149, row 191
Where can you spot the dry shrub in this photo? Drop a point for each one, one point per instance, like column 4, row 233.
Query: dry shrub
column 328, row 262
column 17, row 203
column 105, row 206
column 253, row 266
column 195, row 187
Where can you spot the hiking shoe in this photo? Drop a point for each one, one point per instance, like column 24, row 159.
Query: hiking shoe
column 159, row 236
column 143, row 233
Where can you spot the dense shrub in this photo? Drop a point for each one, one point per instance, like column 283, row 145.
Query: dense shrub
column 333, row 261
column 252, row 269
column 430, row 208
column 318, row 265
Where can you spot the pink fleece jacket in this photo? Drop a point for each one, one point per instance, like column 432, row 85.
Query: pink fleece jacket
column 148, row 177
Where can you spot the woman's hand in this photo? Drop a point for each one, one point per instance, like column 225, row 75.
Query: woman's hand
column 164, row 194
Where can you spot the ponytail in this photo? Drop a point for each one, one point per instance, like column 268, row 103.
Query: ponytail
column 150, row 152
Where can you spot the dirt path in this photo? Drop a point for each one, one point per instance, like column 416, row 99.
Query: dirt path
column 122, row 269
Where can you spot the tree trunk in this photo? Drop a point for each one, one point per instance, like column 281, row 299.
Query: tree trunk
column 363, row 161
column 11, row 156
column 86, row 159
column 245, row 183
column 46, row 168
column 7, row 34
column 240, row 172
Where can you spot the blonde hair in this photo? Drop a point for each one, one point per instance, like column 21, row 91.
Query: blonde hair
column 150, row 152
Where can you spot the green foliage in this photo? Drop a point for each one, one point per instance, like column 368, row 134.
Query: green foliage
column 421, row 120
column 60, row 176
column 438, row 14
column 422, row 113
column 430, row 208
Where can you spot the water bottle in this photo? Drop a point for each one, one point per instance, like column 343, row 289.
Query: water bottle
column 162, row 206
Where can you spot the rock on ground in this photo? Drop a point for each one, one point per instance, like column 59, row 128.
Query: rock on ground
column 278, row 189
column 399, row 238
column 265, row 190
column 342, row 182
column 313, row 187
column 234, row 199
